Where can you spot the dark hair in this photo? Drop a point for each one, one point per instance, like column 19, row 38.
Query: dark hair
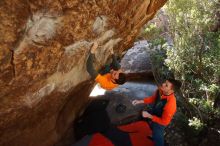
column 121, row 79
column 176, row 84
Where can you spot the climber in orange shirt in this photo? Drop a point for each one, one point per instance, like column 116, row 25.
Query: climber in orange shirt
column 110, row 76
column 163, row 109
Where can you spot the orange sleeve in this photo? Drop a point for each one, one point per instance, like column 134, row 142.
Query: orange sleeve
column 104, row 82
column 150, row 99
column 169, row 111
column 99, row 78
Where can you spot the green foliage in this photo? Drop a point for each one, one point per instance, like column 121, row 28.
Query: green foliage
column 161, row 72
column 206, row 108
column 151, row 32
column 157, row 44
column 194, row 58
column 196, row 123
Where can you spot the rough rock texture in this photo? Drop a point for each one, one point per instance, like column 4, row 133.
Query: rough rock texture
column 43, row 48
column 124, row 95
column 137, row 59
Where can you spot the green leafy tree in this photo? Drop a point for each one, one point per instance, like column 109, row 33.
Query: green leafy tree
column 195, row 55
column 194, row 58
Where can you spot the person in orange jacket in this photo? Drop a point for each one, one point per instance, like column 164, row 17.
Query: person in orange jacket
column 110, row 76
column 163, row 109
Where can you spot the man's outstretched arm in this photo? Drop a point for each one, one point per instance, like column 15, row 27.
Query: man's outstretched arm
column 89, row 64
column 115, row 64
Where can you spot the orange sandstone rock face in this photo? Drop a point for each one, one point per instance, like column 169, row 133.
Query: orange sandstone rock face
column 44, row 45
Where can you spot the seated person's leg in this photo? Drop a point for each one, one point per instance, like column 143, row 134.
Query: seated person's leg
column 158, row 134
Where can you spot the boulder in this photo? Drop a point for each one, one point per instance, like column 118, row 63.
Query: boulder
column 44, row 45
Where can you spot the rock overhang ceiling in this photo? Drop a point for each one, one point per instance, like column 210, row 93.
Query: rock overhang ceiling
column 43, row 49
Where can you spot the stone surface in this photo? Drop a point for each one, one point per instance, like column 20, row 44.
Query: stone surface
column 162, row 24
column 43, row 49
column 124, row 95
column 137, row 59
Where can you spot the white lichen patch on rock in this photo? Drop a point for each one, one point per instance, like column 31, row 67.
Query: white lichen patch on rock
column 100, row 24
column 106, row 36
column 105, row 49
column 72, row 49
column 32, row 99
column 71, row 69
column 42, row 28
column 65, row 81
